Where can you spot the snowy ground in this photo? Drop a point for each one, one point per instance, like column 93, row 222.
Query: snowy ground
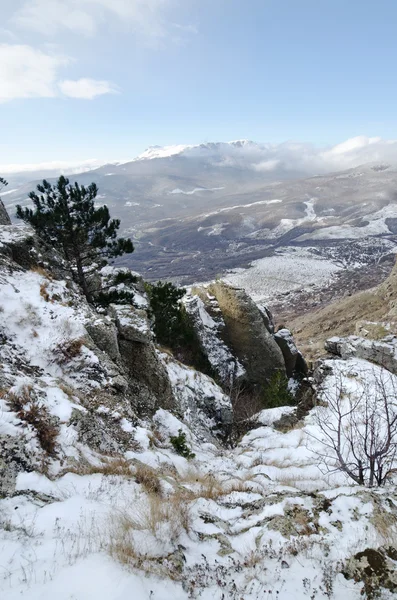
column 291, row 269
column 259, row 521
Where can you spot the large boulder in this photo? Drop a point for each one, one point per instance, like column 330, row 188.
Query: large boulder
column 4, row 217
column 247, row 335
column 147, row 376
column 208, row 324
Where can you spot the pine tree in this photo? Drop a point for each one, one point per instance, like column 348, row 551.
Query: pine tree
column 65, row 216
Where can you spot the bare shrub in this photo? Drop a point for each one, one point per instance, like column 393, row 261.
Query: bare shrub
column 360, row 429
column 67, row 350
column 35, row 413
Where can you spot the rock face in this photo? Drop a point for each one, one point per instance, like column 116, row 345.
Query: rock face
column 246, row 333
column 209, row 325
column 95, row 375
column 4, row 218
column 382, row 352
column 295, row 364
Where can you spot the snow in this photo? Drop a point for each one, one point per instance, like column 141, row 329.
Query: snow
column 195, row 190
column 229, row 208
column 376, row 226
column 58, row 531
column 9, row 191
column 162, row 152
column 289, row 269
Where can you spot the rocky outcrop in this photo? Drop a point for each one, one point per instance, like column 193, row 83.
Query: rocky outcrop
column 209, row 325
column 247, row 335
column 382, row 352
column 4, row 218
column 295, row 364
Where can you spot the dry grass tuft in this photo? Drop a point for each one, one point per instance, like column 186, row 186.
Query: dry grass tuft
column 67, row 350
column 166, row 519
column 41, row 271
column 44, row 291
column 205, row 485
column 109, row 466
column 148, row 478
column 32, row 411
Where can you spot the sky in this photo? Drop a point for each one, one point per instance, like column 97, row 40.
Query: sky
column 105, row 79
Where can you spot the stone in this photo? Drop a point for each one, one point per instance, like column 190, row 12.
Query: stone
column 132, row 323
column 246, row 334
column 382, row 352
column 103, row 332
column 295, row 364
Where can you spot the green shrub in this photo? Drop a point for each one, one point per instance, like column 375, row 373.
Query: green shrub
column 277, row 393
column 113, row 296
column 173, row 327
column 165, row 306
column 180, row 445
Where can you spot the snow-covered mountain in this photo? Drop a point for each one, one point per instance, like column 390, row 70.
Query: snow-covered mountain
column 196, row 211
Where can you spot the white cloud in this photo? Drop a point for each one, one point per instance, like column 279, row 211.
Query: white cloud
column 27, row 72
column 57, row 166
column 146, row 17
column 48, row 16
column 275, row 159
column 300, row 158
column 86, row 89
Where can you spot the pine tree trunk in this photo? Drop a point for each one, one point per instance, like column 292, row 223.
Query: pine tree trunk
column 82, row 280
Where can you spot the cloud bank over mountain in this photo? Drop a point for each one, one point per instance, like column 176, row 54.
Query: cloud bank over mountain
column 292, row 159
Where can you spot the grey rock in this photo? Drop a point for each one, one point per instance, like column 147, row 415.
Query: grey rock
column 132, row 323
column 4, row 217
column 14, row 458
column 267, row 318
column 295, row 364
column 247, row 335
column 208, row 327
column 101, row 433
column 382, row 352
column 147, row 377
column 104, row 333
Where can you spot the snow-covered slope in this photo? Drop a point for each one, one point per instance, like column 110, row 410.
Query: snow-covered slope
column 114, row 483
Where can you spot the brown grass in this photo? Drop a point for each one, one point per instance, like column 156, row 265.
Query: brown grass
column 339, row 318
column 32, row 411
column 41, row 271
column 210, row 487
column 148, row 478
column 172, row 512
column 108, row 467
column 44, row 291
column 68, row 350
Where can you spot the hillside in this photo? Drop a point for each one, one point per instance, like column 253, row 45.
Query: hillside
column 348, row 316
column 126, row 473
column 197, row 212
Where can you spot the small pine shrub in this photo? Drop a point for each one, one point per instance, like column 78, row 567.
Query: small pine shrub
column 113, row 296
column 277, row 392
column 180, row 445
column 124, row 277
